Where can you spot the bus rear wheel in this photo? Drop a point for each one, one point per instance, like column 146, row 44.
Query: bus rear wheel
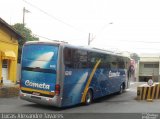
column 89, row 97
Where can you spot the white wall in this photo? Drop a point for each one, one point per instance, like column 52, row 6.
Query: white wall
column 147, row 71
column 5, row 73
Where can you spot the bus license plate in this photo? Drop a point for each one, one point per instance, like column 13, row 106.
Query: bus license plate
column 35, row 93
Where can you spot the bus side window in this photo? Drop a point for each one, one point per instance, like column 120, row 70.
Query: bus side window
column 92, row 58
column 68, row 57
column 114, row 64
column 105, row 61
column 82, row 59
column 108, row 65
column 121, row 63
column 75, row 58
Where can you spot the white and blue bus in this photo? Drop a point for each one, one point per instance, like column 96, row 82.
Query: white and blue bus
column 62, row 75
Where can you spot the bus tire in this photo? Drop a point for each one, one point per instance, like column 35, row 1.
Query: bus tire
column 121, row 89
column 89, row 98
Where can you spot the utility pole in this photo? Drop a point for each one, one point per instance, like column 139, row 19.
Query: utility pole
column 23, row 15
column 24, row 11
column 89, row 38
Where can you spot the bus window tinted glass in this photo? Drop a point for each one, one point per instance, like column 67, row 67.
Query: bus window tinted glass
column 75, row 58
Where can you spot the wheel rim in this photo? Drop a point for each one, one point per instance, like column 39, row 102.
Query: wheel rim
column 88, row 98
column 121, row 89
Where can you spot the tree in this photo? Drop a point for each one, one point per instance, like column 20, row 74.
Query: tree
column 27, row 34
column 135, row 57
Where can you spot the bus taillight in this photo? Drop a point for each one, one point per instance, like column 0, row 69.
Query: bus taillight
column 57, row 89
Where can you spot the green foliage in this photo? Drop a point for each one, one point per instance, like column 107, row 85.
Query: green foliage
column 135, row 57
column 26, row 33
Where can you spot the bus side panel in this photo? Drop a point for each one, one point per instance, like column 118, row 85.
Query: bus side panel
column 74, row 83
column 104, row 83
column 101, row 84
column 76, row 79
column 117, row 79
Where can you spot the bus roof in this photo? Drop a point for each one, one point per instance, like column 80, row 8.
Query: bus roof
column 45, row 42
column 65, row 44
column 88, row 48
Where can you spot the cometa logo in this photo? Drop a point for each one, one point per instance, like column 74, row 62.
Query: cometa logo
column 114, row 74
column 37, row 85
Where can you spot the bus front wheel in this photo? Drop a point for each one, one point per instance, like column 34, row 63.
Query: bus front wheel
column 89, row 97
column 121, row 89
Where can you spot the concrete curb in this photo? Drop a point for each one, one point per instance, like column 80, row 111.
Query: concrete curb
column 9, row 91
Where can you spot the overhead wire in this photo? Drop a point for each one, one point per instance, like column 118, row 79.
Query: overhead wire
column 73, row 27
column 139, row 41
column 53, row 17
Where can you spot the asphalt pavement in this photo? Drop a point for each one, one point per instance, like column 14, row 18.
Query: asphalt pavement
column 125, row 103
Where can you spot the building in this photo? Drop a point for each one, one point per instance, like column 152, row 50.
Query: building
column 8, row 52
column 148, row 67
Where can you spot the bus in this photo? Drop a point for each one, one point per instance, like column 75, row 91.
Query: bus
column 61, row 75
